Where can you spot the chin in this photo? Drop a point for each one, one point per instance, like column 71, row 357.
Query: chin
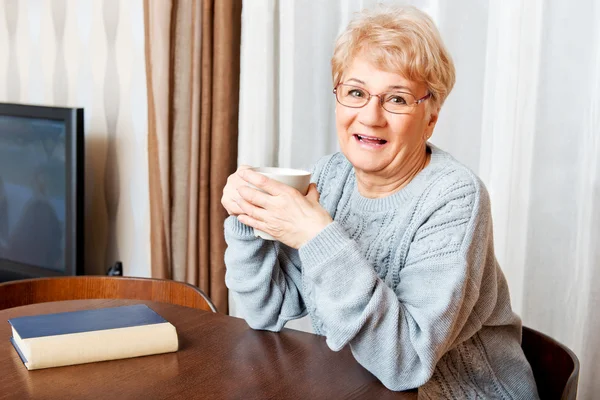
column 366, row 162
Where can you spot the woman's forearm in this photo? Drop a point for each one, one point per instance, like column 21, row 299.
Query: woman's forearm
column 358, row 309
column 263, row 281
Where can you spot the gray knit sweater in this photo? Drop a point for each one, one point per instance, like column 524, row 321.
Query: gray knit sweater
column 409, row 281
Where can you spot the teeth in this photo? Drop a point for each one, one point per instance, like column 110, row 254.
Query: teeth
column 368, row 137
column 371, row 138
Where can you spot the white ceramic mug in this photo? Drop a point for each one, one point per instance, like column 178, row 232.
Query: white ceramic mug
column 296, row 178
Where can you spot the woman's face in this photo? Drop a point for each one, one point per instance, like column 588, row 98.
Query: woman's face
column 396, row 138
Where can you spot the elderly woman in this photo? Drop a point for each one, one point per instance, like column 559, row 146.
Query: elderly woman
column 391, row 251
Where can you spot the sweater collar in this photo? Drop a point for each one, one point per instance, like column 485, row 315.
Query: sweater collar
column 407, row 193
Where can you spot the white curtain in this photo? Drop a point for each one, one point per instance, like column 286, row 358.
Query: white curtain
column 524, row 115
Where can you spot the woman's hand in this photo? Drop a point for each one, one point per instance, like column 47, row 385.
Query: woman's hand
column 282, row 211
column 230, row 197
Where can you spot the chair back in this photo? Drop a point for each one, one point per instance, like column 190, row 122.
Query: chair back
column 41, row 290
column 555, row 367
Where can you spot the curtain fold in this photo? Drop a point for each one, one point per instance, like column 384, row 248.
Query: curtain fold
column 192, row 63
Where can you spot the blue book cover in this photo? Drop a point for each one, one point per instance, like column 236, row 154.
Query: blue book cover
column 85, row 321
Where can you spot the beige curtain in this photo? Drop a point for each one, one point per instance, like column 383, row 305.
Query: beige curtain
column 192, row 66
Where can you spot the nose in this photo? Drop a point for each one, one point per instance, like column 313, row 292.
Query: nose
column 372, row 113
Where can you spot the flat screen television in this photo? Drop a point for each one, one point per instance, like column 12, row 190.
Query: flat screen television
column 41, row 191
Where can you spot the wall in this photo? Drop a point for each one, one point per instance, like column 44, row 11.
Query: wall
column 90, row 54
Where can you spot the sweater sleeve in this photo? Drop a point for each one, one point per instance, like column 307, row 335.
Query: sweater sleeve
column 264, row 276
column 263, row 281
column 400, row 333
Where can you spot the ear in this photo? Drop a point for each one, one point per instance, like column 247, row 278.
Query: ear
column 433, row 118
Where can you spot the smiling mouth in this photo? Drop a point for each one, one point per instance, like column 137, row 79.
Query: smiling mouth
column 369, row 139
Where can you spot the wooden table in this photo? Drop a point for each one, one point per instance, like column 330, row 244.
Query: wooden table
column 220, row 357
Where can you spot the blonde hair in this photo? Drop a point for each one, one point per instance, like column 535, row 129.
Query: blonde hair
column 403, row 40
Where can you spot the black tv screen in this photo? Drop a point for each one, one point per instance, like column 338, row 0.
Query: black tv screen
column 41, row 191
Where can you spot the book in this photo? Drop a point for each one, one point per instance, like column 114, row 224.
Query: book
column 77, row 337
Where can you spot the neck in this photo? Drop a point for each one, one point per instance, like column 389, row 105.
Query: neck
column 375, row 186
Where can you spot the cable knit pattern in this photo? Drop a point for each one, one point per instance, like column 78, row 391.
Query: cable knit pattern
column 409, row 282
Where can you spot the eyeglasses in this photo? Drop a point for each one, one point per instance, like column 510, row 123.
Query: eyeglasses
column 393, row 102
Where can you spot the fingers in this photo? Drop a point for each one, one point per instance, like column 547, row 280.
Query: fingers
column 231, row 197
column 230, row 205
column 252, row 222
column 252, row 210
column 313, row 194
column 254, row 196
column 270, row 186
column 260, row 225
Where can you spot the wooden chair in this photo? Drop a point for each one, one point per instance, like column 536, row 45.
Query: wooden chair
column 40, row 290
column 555, row 367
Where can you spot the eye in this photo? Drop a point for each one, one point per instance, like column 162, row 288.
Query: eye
column 396, row 99
column 356, row 93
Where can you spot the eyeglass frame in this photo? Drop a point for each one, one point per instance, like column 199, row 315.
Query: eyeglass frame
column 416, row 103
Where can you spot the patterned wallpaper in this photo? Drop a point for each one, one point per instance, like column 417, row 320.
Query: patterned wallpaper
column 90, row 54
